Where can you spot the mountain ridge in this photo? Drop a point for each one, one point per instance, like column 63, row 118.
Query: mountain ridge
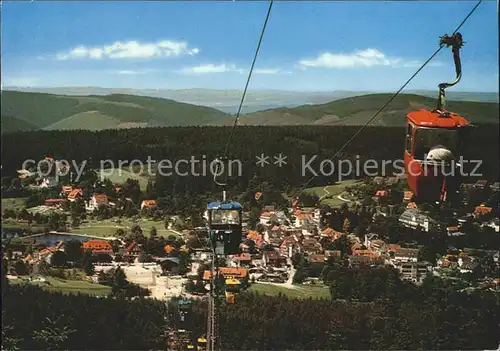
column 255, row 100
column 29, row 111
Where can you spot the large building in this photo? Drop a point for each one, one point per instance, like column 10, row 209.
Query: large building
column 413, row 218
column 415, row 271
column 228, row 273
column 98, row 247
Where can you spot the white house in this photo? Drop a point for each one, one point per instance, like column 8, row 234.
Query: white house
column 466, row 264
column 494, row 223
column 48, row 183
column 96, row 201
column 415, row 271
column 412, row 218
column 406, row 255
column 316, row 216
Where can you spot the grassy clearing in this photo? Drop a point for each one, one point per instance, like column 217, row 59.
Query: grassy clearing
column 22, row 225
column 334, row 189
column 301, row 292
column 119, row 176
column 108, row 227
column 14, row 203
column 68, row 286
column 333, row 202
column 329, row 193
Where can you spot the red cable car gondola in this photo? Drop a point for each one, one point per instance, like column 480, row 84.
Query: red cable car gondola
column 434, row 143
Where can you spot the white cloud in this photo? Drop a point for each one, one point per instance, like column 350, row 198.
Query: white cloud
column 129, row 50
column 361, row 58
column 269, row 71
column 211, row 68
column 133, row 72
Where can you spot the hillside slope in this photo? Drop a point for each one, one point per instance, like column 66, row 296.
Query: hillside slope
column 91, row 120
column 49, row 111
column 12, row 124
column 359, row 109
column 29, row 111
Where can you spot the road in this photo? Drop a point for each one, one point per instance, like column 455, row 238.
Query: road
column 325, row 189
column 342, row 199
column 289, row 282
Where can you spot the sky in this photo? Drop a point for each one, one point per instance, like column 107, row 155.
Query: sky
column 308, row 46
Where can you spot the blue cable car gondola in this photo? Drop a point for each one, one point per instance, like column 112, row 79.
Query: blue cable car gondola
column 224, row 223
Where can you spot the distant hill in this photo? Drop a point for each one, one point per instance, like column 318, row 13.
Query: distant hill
column 359, row 109
column 31, row 111
column 227, row 100
column 49, row 111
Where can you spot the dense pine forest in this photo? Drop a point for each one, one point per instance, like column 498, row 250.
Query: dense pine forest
column 406, row 317
column 175, row 143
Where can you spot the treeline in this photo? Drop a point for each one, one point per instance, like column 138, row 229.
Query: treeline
column 33, row 319
column 448, row 322
column 387, row 314
column 434, row 316
column 298, row 143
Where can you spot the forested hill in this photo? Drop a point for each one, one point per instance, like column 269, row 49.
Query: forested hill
column 359, row 109
column 63, row 112
column 23, row 111
column 297, row 143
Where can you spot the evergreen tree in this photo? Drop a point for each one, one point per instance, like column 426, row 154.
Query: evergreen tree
column 119, row 282
column 347, row 225
column 153, row 233
column 88, row 267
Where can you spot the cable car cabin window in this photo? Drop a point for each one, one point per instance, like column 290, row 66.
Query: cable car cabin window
column 225, row 217
column 426, row 138
column 409, row 133
column 233, row 288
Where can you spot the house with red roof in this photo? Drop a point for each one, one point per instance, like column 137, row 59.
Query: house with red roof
column 98, row 247
column 273, row 259
column 228, row 273
column 289, row 246
column 382, row 193
column 74, row 194
column 482, row 210
column 256, row 237
column 66, row 189
column 44, row 254
column 303, row 218
column 54, row 202
column 408, row 195
column 132, row 251
column 331, row 233
column 311, row 246
column 148, row 204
